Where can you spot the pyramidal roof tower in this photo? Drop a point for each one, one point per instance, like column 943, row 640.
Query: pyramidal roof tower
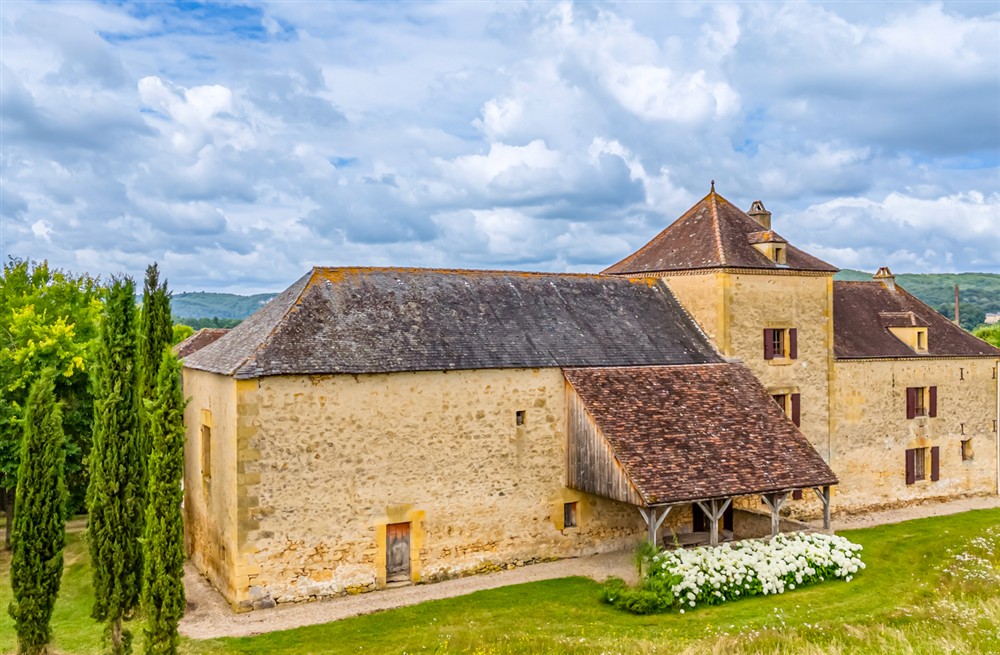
column 716, row 234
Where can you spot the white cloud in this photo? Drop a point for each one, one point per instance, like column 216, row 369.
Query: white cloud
column 257, row 140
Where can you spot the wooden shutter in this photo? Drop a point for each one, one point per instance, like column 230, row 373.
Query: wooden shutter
column 911, row 402
column 768, row 344
column 935, row 463
column 911, row 466
column 932, row 409
column 796, row 409
column 793, row 344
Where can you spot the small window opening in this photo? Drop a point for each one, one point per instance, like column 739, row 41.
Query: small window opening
column 569, row 515
column 797, row 494
column 921, row 340
column 519, row 416
column 782, row 400
column 920, row 408
column 779, row 254
column 778, row 343
column 966, row 450
column 206, row 452
column 920, row 468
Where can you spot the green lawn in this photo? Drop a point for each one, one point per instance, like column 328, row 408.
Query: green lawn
column 904, row 602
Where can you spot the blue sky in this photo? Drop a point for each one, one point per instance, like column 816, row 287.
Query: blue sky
column 239, row 144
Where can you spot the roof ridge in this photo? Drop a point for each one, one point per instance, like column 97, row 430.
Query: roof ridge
column 464, row 271
column 713, row 204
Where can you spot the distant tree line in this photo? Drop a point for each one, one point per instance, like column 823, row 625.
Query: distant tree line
column 979, row 293
column 214, row 322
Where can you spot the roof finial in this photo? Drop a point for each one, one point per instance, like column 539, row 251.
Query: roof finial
column 713, row 186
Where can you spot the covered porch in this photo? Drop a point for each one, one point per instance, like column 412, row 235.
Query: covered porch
column 669, row 438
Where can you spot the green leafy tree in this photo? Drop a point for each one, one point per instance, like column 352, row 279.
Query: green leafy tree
column 48, row 319
column 989, row 334
column 181, row 332
column 163, row 542
column 39, row 532
column 114, row 497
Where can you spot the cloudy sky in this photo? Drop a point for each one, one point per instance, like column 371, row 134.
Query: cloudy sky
column 240, row 144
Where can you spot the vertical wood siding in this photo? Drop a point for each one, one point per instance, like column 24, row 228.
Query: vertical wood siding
column 591, row 466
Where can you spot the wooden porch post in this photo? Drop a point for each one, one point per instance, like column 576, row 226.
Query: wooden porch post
column 824, row 496
column 774, row 501
column 714, row 511
column 653, row 522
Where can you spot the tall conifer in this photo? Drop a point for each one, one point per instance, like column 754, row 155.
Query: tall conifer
column 114, row 496
column 39, row 532
column 155, row 334
column 163, row 544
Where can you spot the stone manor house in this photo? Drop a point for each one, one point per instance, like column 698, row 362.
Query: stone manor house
column 374, row 426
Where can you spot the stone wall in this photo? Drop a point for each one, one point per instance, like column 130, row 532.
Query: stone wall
column 734, row 307
column 331, row 460
column 210, row 503
column 872, row 433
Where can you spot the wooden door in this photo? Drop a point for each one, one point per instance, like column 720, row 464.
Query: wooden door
column 397, row 552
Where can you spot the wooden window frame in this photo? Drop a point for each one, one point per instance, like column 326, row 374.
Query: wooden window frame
column 916, row 464
column 921, row 402
column 791, row 405
column 781, row 344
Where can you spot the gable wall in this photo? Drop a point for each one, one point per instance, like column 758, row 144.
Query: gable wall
column 210, row 505
column 871, row 432
column 332, row 460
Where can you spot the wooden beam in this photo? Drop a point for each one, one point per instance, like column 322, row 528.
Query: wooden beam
column 654, row 520
column 824, row 497
column 775, row 501
column 714, row 510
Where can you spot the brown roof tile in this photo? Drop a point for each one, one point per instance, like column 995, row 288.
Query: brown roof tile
column 696, row 432
column 712, row 234
column 198, row 340
column 380, row 320
column 863, row 312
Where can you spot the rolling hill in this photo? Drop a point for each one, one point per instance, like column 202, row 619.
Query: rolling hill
column 980, row 293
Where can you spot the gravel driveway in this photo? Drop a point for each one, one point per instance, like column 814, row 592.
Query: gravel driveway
column 209, row 616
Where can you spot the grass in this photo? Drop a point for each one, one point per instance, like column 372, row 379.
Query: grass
column 914, row 597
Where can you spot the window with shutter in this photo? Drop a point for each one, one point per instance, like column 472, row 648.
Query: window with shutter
column 768, row 344
column 935, row 463
column 793, row 343
column 797, row 409
column 911, row 402
column 911, row 466
column 932, row 403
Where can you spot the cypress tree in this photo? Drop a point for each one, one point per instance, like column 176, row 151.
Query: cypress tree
column 114, row 496
column 155, row 334
column 39, row 532
column 163, row 543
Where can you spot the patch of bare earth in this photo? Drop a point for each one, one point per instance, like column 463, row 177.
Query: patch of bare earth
column 209, row 616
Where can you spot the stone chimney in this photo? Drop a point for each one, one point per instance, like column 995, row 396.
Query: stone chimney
column 759, row 214
column 885, row 276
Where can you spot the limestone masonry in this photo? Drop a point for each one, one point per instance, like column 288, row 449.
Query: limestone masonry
column 379, row 426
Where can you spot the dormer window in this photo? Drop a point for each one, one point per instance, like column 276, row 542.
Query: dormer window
column 921, row 340
column 770, row 245
column 779, row 253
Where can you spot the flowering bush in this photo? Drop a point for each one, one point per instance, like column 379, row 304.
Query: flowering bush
column 708, row 576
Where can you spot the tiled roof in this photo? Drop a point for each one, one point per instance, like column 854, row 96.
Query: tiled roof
column 697, row 432
column 377, row 320
column 713, row 234
column 198, row 340
column 863, row 312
